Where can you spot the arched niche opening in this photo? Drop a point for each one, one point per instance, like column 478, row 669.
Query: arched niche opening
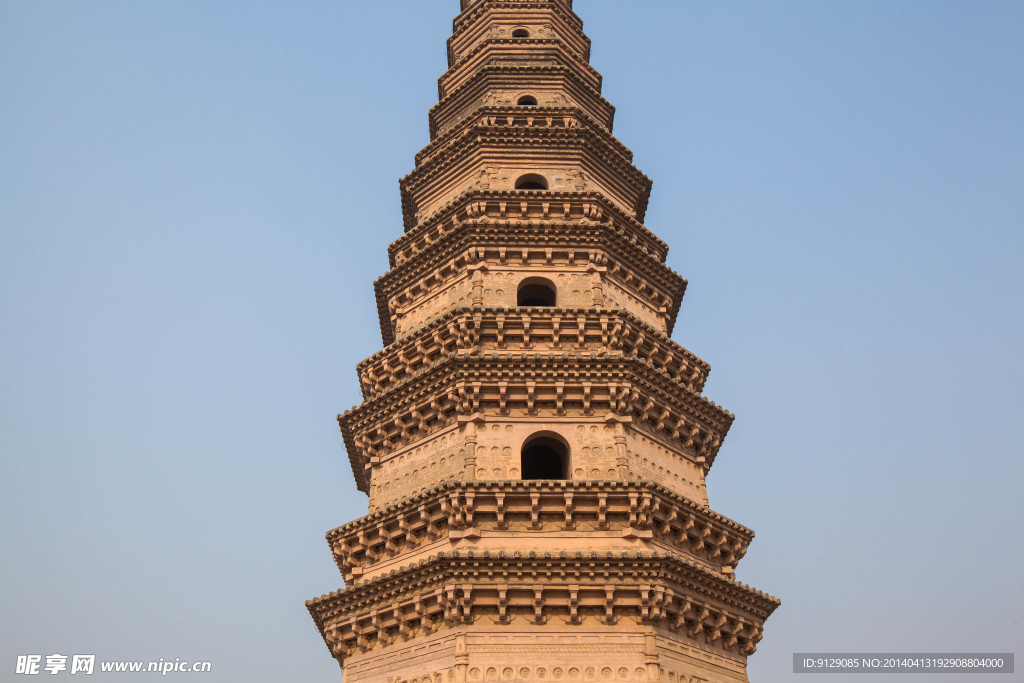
column 520, row 33
column 527, row 101
column 545, row 455
column 531, row 181
column 536, row 291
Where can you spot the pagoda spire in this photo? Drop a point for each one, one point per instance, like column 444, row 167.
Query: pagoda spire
column 532, row 443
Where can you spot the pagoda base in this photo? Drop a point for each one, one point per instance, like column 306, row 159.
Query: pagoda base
column 524, row 651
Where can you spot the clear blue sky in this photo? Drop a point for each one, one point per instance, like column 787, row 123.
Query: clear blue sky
column 195, row 198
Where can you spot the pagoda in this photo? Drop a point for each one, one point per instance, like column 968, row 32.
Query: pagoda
column 533, row 444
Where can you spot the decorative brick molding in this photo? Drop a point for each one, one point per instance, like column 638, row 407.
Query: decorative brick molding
column 467, row 509
column 533, row 445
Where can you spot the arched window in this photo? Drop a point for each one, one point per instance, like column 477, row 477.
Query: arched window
column 545, row 456
column 520, row 33
column 527, row 101
column 532, row 181
column 536, row 291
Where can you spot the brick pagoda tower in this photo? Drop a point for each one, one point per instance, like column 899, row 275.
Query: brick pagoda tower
column 533, row 445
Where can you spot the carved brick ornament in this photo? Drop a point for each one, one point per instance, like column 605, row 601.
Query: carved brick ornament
column 533, row 444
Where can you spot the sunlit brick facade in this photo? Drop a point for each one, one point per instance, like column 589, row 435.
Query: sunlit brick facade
column 533, row 444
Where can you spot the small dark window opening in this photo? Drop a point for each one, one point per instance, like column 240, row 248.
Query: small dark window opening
column 527, row 101
column 536, row 292
column 532, row 181
column 544, row 457
column 520, row 33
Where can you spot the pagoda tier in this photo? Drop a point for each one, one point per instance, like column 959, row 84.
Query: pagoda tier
column 579, row 207
column 613, row 332
column 500, row 515
column 533, row 445
column 480, row 262
column 556, row 390
column 583, row 615
column 555, row 88
column 508, row 20
column 447, row 261
column 514, row 35
column 501, row 146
